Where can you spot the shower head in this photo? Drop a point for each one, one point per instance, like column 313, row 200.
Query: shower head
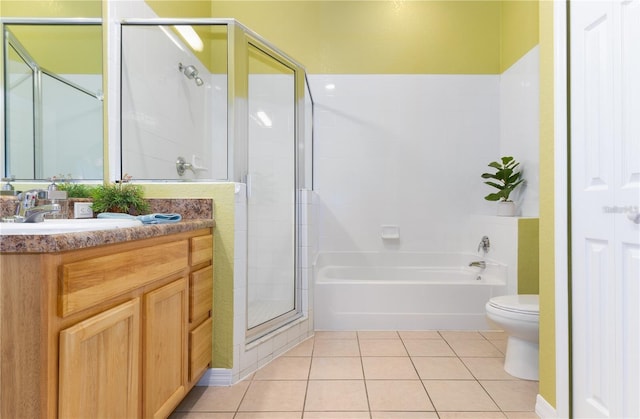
column 191, row 73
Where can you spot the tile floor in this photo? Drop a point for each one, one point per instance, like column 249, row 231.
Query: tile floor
column 376, row 375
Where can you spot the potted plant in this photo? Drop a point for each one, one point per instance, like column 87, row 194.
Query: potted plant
column 120, row 196
column 505, row 180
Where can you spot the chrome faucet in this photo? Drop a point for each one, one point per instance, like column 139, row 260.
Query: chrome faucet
column 479, row 264
column 28, row 211
column 484, row 244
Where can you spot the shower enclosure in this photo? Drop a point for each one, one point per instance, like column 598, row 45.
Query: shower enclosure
column 209, row 100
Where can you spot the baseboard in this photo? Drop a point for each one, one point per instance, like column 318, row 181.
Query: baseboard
column 544, row 409
column 216, row 377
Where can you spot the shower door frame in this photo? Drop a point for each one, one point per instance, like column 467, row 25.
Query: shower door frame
column 252, row 40
column 239, row 37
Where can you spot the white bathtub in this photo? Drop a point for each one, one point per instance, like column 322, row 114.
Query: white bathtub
column 403, row 291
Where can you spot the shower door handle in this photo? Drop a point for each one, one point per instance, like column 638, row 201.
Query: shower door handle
column 248, row 181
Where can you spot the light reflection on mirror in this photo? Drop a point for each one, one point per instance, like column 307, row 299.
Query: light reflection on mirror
column 53, row 101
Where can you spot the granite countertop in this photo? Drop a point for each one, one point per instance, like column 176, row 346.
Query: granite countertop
column 52, row 243
column 196, row 214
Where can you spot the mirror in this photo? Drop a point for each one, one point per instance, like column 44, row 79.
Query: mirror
column 53, row 102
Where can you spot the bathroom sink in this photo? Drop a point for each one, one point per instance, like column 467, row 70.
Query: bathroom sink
column 65, row 226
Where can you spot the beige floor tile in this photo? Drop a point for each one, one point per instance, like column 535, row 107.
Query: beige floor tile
column 461, row 334
column 285, row 368
column 428, row 347
column 404, row 415
column 336, row 347
column 389, row 368
column 382, row 334
column 459, row 396
column 304, row 348
column 398, row 395
column 214, row 399
column 471, row 415
column 500, row 344
column 274, row 396
column 336, row 368
column 335, row 335
column 487, row 368
column 441, row 368
column 336, row 415
column 512, row 395
column 269, row 415
column 521, row 415
column 419, row 334
column 201, row 415
column 382, row 347
column 336, row 396
column 474, row 348
column 493, row 334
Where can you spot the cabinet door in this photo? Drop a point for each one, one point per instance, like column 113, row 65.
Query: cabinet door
column 99, row 359
column 165, row 358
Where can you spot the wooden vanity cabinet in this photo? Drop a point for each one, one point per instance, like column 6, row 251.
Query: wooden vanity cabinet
column 115, row 331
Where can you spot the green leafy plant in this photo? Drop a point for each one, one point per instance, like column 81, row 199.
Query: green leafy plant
column 74, row 190
column 120, row 196
column 506, row 179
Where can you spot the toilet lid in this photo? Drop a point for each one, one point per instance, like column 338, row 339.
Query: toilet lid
column 524, row 303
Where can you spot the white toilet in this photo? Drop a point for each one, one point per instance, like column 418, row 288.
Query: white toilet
column 519, row 317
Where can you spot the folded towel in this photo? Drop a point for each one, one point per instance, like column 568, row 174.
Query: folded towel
column 145, row 219
column 159, row 218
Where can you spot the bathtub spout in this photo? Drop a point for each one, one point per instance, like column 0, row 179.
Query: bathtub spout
column 479, row 264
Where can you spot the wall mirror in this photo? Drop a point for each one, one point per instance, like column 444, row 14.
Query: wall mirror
column 53, row 102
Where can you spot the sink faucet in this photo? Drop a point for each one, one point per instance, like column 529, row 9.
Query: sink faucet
column 479, row 264
column 28, row 211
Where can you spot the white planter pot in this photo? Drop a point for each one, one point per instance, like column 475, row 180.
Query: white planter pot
column 506, row 208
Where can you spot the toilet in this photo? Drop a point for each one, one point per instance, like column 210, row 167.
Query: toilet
column 519, row 317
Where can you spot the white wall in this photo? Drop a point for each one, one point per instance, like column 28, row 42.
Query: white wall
column 519, row 132
column 408, row 150
column 404, row 150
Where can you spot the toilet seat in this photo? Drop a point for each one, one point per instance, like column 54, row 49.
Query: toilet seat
column 524, row 304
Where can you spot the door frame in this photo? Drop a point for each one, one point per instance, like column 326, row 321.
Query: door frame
column 562, row 210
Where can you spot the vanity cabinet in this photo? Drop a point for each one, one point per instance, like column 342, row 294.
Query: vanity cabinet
column 120, row 330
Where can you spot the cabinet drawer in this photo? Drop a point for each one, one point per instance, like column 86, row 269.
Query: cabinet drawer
column 201, row 293
column 200, row 345
column 201, row 249
column 86, row 283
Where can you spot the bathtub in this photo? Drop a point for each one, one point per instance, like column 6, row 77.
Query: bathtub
column 403, row 291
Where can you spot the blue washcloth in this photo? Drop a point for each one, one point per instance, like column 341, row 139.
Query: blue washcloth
column 145, row 219
column 159, row 218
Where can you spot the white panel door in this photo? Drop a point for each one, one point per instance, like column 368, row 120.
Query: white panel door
column 605, row 189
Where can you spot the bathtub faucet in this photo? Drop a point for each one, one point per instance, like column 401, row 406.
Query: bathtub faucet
column 479, row 264
column 484, row 244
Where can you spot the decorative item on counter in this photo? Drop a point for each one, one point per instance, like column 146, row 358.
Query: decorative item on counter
column 506, row 180
column 120, row 197
column 73, row 189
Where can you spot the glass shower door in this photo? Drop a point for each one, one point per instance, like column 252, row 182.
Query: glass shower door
column 272, row 294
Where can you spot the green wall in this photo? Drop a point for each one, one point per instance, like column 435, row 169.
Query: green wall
column 61, row 49
column 519, row 30
column 388, row 37
column 223, row 195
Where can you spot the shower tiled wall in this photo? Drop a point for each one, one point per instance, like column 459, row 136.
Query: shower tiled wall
column 408, row 151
